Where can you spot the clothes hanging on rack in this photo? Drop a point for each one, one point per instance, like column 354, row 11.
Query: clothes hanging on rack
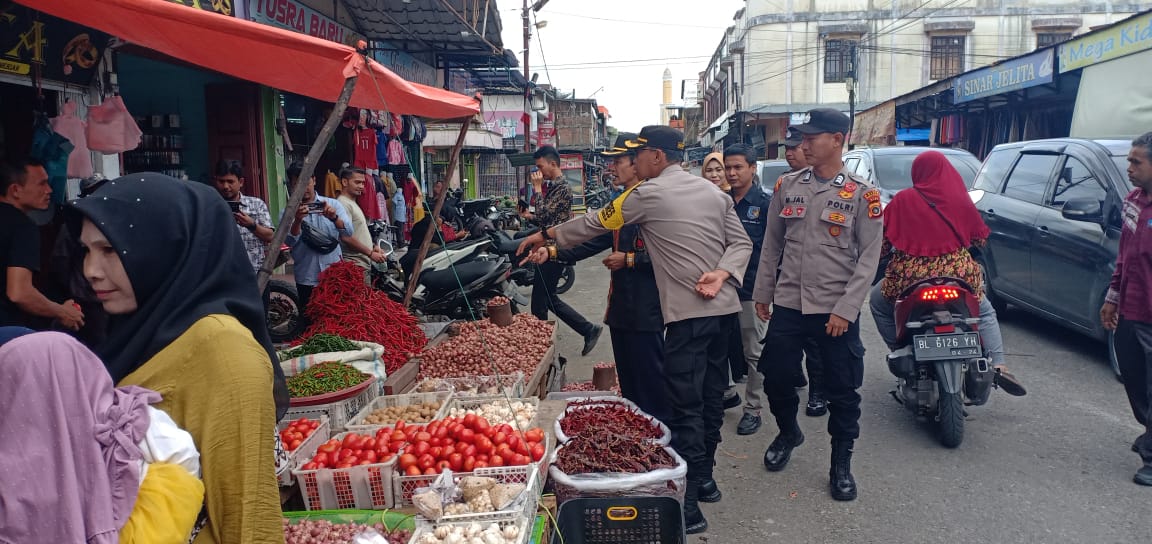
column 52, row 150
column 70, row 126
column 111, row 129
column 331, row 185
column 396, row 152
column 364, row 151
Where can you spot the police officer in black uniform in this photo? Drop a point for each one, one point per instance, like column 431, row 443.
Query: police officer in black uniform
column 633, row 315
column 825, row 233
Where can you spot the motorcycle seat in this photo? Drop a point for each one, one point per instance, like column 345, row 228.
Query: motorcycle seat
column 505, row 245
column 443, row 280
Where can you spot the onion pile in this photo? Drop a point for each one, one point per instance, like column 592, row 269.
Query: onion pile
column 483, row 348
column 325, row 532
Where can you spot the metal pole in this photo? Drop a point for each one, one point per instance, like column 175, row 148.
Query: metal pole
column 306, row 173
column 433, row 227
column 527, row 82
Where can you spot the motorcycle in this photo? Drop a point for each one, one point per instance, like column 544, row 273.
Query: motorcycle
column 940, row 366
column 522, row 276
column 456, row 280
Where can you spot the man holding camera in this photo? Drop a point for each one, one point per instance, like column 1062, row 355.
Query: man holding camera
column 253, row 220
column 315, row 236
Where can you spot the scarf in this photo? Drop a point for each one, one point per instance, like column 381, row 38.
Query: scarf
column 912, row 226
column 73, row 473
column 185, row 259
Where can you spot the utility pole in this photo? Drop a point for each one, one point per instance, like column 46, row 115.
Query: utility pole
column 851, row 82
column 527, row 73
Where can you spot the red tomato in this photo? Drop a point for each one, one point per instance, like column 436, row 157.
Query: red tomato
column 383, row 432
column 386, row 458
column 519, row 460
column 534, row 435
column 455, row 462
column 496, row 461
column 470, row 420
column 344, row 465
column 481, row 464
column 435, row 442
column 346, row 453
column 420, row 448
column 399, row 424
column 398, row 436
column 484, row 444
column 523, row 448
column 369, row 455
column 309, row 466
column 537, row 452
column 481, row 425
column 423, row 436
column 469, row 464
column 514, row 439
column 426, row 461
column 436, row 451
column 500, row 437
column 455, row 429
column 469, row 451
column 505, row 428
column 413, row 471
column 441, row 432
column 407, row 460
column 441, row 466
column 381, row 444
column 482, row 457
column 329, row 446
column 430, row 471
column 293, row 445
column 448, row 451
column 395, row 446
column 468, row 436
column 350, row 440
column 351, row 459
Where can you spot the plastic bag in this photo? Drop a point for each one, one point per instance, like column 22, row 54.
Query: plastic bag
column 665, row 482
column 366, row 359
column 111, row 129
column 664, row 440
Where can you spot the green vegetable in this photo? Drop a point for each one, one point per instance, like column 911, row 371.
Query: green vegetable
column 326, row 377
column 321, row 343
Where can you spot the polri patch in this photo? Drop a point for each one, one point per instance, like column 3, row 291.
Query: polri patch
column 834, row 230
column 846, row 194
column 872, row 195
column 875, row 210
column 851, row 186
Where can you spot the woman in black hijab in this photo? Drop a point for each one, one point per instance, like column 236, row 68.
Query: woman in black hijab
column 187, row 321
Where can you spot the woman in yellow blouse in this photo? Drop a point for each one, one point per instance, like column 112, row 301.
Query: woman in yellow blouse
column 188, row 323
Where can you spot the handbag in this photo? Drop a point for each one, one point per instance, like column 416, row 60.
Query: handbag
column 317, row 240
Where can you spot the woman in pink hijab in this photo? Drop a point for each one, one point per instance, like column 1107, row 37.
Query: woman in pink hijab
column 76, row 450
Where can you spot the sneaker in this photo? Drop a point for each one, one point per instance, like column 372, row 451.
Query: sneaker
column 749, row 424
column 1144, row 475
column 733, row 401
column 1006, row 381
column 591, row 339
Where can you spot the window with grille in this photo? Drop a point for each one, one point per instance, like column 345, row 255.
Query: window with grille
column 947, row 57
column 837, row 60
column 1044, row 39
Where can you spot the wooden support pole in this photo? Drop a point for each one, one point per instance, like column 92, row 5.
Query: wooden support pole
column 433, row 228
column 301, row 186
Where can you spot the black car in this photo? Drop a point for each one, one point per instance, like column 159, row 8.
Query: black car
column 890, row 168
column 1054, row 210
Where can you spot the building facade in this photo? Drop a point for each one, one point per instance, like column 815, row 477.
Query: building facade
column 782, row 57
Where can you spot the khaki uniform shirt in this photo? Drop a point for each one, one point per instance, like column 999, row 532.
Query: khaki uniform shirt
column 822, row 245
column 690, row 228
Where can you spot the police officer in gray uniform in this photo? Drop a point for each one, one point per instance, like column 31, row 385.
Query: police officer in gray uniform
column 825, row 233
column 699, row 262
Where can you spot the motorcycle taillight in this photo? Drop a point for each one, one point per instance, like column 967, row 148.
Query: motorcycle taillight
column 939, row 294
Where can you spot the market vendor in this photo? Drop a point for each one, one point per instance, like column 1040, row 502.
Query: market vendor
column 92, row 463
column 188, row 323
column 699, row 262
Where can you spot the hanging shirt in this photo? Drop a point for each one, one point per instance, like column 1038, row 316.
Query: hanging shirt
column 331, row 185
column 364, row 155
column 381, row 148
column 396, row 152
column 72, row 127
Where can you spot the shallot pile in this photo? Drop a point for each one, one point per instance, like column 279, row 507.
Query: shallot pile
column 483, row 348
column 325, row 532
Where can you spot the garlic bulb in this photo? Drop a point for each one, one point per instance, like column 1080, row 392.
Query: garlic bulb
column 511, row 533
column 442, row 532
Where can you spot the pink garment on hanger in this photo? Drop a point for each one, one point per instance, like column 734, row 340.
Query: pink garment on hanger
column 111, row 129
column 72, row 127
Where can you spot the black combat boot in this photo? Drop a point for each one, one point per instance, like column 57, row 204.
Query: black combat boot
column 780, row 450
column 840, row 480
column 694, row 521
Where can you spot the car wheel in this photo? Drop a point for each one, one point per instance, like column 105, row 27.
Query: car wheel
column 998, row 304
column 1112, row 360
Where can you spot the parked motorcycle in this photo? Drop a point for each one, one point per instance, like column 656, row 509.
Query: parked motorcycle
column 940, row 367
column 522, row 276
column 456, row 280
column 284, row 312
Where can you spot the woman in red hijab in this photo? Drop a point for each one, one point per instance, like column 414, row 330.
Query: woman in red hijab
column 927, row 231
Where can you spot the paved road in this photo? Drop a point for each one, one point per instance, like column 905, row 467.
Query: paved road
column 1050, row 467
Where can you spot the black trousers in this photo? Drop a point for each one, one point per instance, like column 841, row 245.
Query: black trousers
column 841, row 359
column 737, row 364
column 640, row 369
column 815, row 368
column 544, row 298
column 1134, row 353
column 695, row 377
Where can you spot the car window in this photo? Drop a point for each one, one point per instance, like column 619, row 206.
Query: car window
column 995, row 169
column 851, row 163
column 769, row 173
column 862, row 169
column 1076, row 180
column 964, row 168
column 894, row 171
column 1029, row 179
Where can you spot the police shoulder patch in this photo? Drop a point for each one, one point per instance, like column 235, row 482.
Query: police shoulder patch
column 872, row 195
column 875, row 210
column 779, row 181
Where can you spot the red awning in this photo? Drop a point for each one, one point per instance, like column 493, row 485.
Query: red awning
column 281, row 59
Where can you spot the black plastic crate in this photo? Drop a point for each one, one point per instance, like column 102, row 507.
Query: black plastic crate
column 624, row 520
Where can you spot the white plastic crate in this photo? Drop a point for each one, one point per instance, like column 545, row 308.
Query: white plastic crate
column 307, row 448
column 338, row 413
column 523, row 523
column 460, row 405
column 357, row 423
column 405, row 486
column 365, row 487
column 513, row 385
column 529, row 475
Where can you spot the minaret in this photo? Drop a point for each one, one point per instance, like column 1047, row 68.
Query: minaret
column 664, row 112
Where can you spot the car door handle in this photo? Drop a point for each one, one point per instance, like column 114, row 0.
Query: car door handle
column 991, row 212
column 1043, row 230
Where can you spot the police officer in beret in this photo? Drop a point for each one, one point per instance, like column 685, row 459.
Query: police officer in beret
column 825, row 233
column 699, row 262
column 633, row 315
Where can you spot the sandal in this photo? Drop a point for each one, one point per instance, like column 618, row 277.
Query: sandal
column 1006, row 381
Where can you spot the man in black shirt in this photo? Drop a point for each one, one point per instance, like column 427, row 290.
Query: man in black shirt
column 24, row 188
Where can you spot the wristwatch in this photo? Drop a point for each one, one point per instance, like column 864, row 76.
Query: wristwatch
column 544, row 233
column 252, row 227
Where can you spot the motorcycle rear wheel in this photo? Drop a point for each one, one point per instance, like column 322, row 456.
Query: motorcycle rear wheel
column 567, row 278
column 284, row 314
column 950, row 419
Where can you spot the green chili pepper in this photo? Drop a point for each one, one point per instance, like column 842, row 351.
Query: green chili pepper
column 321, row 343
column 326, row 377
